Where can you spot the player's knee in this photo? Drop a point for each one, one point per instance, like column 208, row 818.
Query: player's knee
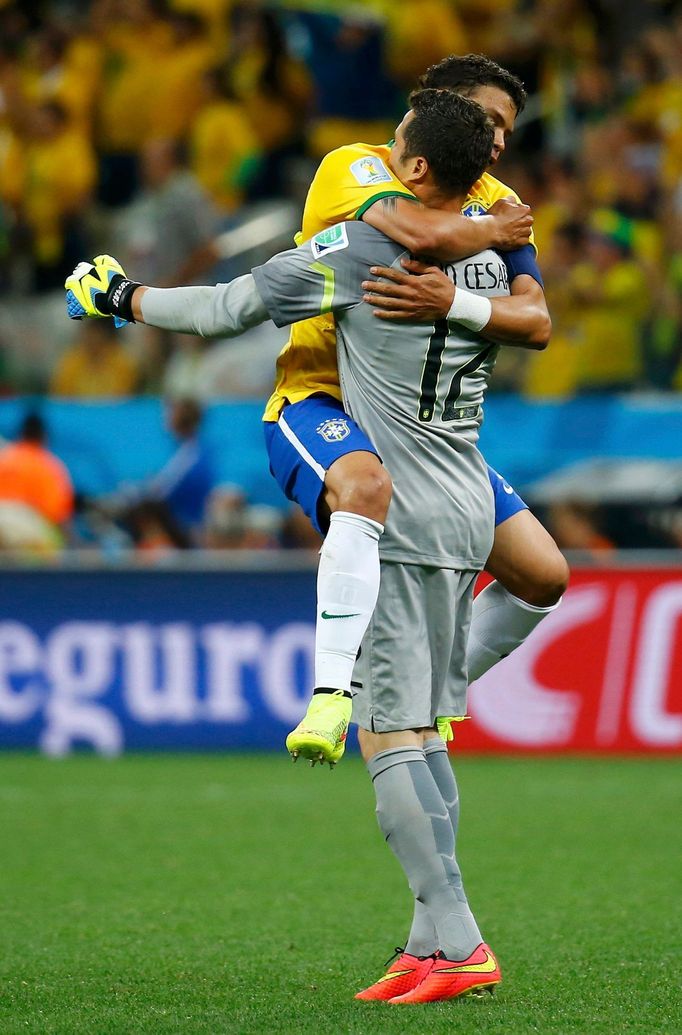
column 368, row 493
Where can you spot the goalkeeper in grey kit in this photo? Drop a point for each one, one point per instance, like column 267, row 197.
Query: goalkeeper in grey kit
column 416, row 390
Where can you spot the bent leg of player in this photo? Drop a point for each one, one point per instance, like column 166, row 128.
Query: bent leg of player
column 531, row 576
column 308, row 439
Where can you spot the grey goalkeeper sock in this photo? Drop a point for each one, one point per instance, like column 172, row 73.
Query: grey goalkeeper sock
column 422, row 939
column 418, row 829
column 438, row 761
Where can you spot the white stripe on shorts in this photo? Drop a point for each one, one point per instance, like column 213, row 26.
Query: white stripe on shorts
column 301, row 449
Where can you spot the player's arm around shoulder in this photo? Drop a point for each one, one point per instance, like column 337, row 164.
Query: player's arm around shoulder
column 357, row 182
column 450, row 236
column 423, row 292
column 522, row 319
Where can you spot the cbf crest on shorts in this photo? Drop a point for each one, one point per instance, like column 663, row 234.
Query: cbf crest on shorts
column 334, row 430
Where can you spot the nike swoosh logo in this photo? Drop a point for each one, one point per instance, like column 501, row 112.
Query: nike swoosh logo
column 394, row 974
column 487, row 967
column 325, row 615
column 507, row 488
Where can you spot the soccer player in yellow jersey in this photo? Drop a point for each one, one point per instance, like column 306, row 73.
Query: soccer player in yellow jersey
column 323, row 460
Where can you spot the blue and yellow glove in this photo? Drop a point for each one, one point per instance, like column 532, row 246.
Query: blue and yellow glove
column 100, row 289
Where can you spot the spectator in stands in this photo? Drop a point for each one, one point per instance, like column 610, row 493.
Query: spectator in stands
column 180, row 490
column 225, row 151
column 553, row 373
column 62, row 70
column 96, row 366
column 610, row 291
column 153, row 530
column 664, row 353
column 165, row 233
column 232, row 523
column 274, row 88
column 355, row 98
column 36, row 494
column 48, row 177
column 176, row 96
column 579, row 526
column 419, row 33
column 136, row 40
column 184, row 374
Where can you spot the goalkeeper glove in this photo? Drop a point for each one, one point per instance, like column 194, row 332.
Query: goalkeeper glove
column 100, row 289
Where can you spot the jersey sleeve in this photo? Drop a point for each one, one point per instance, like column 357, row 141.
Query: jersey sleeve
column 323, row 275
column 348, row 182
column 224, row 310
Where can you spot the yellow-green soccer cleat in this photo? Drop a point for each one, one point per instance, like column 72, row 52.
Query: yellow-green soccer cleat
column 321, row 734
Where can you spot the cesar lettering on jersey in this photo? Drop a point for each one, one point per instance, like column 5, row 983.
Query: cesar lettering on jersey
column 482, row 276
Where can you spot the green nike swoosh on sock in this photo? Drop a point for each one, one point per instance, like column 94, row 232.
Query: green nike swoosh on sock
column 325, row 615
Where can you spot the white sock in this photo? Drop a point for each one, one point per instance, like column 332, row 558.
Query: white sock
column 500, row 623
column 347, row 590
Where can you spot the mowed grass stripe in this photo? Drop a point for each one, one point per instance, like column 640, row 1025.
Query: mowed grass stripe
column 241, row 894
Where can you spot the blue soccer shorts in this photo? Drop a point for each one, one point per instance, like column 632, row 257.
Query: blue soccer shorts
column 310, row 435
column 303, row 444
column 507, row 501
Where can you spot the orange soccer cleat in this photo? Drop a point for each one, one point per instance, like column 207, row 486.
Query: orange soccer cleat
column 447, row 979
column 402, row 976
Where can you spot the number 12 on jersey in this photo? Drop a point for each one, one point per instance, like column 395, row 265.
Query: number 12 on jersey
column 431, row 373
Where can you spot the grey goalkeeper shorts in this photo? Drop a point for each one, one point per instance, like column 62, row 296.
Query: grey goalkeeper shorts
column 412, row 662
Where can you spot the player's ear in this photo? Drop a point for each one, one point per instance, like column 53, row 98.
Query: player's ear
column 419, row 169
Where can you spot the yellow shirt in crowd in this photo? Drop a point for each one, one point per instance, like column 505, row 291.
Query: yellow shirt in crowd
column 609, row 326
column 50, row 180
column 79, row 376
column 223, row 149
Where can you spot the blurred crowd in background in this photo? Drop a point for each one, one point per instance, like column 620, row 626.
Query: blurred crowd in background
column 156, row 129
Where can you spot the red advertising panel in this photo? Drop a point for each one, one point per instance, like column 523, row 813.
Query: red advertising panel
column 602, row 673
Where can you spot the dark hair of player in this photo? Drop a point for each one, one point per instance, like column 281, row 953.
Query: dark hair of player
column 464, row 73
column 453, row 134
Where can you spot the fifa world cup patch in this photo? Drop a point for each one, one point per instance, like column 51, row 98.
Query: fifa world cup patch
column 334, row 430
column 474, row 208
column 370, row 170
column 333, row 239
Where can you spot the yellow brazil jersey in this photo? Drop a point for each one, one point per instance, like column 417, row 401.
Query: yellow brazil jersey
column 348, row 181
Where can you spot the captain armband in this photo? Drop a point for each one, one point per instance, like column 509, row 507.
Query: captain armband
column 472, row 311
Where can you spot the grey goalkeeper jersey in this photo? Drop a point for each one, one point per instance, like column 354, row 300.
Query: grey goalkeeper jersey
column 416, row 389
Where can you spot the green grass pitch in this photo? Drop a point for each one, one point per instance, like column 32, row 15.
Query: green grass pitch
column 241, row 894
